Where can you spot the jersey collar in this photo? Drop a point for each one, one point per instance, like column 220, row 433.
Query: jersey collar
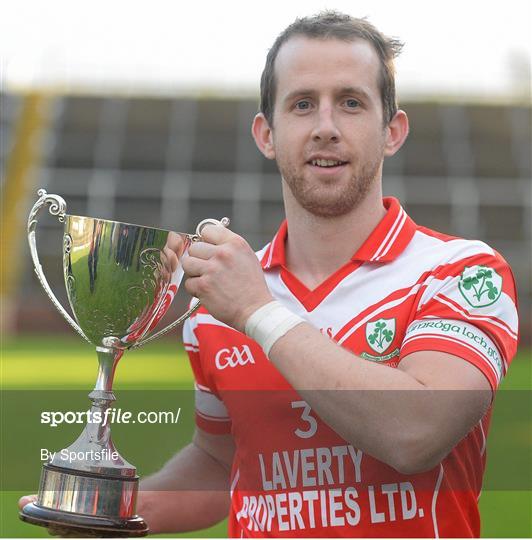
column 388, row 240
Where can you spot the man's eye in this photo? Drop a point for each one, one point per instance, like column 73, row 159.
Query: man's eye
column 303, row 105
column 352, row 103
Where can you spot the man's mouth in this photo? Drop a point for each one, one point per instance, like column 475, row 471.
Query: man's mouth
column 327, row 163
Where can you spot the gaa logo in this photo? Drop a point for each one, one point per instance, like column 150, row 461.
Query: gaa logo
column 233, row 357
column 480, row 286
column 380, row 334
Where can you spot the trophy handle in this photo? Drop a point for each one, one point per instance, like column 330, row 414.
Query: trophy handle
column 193, row 238
column 57, row 208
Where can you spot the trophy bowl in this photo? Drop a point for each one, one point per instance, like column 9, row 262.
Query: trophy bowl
column 120, row 280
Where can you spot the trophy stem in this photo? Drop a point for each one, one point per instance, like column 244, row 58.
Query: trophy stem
column 102, row 398
column 107, row 360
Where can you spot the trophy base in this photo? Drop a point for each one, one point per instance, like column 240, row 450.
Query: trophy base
column 77, row 503
column 78, row 525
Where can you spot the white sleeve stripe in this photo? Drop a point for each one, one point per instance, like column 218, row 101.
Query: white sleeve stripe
column 460, row 331
column 207, row 404
column 459, row 342
column 203, row 388
column 464, row 313
column 191, row 348
column 483, row 449
column 234, row 482
column 393, row 238
column 489, row 318
column 213, row 418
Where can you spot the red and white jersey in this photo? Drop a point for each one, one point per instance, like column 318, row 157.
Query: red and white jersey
column 406, row 289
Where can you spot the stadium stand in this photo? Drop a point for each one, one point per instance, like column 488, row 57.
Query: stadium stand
column 464, row 170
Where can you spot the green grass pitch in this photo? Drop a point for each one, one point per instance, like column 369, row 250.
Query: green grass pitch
column 63, row 370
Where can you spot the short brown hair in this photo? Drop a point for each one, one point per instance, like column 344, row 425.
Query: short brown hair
column 335, row 25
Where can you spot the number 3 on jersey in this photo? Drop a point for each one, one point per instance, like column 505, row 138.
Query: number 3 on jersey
column 307, row 418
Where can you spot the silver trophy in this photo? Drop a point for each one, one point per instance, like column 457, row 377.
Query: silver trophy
column 120, row 280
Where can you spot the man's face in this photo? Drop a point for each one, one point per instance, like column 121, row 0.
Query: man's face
column 328, row 134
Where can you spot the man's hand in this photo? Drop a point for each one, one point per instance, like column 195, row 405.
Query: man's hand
column 63, row 532
column 226, row 276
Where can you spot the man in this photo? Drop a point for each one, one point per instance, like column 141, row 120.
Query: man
column 344, row 374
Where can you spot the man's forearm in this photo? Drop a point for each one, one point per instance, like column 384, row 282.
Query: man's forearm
column 189, row 493
column 385, row 412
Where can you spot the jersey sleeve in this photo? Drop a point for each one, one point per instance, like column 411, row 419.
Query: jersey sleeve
column 210, row 411
column 469, row 309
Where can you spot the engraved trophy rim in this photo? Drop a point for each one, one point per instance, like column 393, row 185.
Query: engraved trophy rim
column 192, row 236
column 129, row 224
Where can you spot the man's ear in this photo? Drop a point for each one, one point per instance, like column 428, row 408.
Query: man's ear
column 263, row 135
column 396, row 133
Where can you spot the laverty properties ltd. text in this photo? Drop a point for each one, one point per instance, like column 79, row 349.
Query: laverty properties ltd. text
column 299, row 507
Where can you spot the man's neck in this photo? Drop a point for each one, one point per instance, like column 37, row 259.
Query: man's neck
column 316, row 247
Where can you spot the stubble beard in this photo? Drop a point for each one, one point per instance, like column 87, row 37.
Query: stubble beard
column 328, row 200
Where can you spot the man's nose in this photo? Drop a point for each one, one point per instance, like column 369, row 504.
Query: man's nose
column 325, row 128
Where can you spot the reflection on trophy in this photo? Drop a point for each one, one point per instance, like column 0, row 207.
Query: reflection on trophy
column 120, row 280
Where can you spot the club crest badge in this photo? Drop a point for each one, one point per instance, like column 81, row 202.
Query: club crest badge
column 481, row 286
column 380, row 334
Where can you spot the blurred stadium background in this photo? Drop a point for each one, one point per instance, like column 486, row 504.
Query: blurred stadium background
column 171, row 158
column 171, row 162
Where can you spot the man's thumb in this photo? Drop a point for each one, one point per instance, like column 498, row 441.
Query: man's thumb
column 23, row 501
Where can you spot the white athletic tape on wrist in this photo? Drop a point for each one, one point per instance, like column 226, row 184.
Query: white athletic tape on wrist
column 269, row 323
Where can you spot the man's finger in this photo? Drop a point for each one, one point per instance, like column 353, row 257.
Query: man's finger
column 191, row 286
column 201, row 250
column 193, row 267
column 175, row 243
column 216, row 234
column 172, row 258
